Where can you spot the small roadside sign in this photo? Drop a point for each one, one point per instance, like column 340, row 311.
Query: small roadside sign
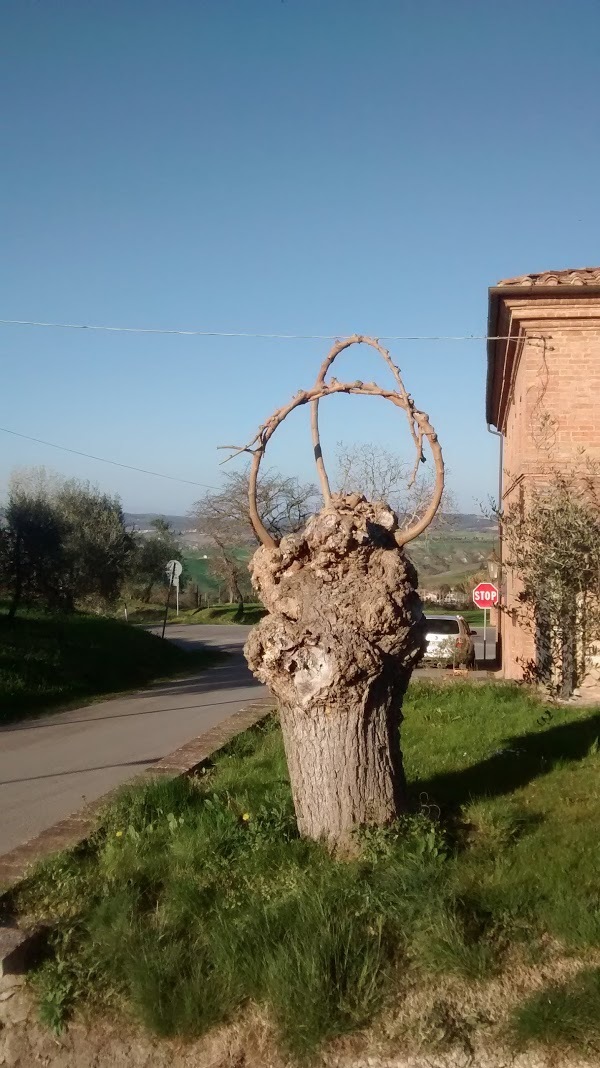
column 172, row 571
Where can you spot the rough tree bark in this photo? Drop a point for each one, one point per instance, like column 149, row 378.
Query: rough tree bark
column 337, row 649
column 343, row 633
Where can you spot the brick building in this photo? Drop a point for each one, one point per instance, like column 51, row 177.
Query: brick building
column 543, row 393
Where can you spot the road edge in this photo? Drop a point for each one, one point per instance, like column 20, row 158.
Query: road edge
column 77, row 828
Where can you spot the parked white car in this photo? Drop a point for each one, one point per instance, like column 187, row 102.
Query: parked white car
column 449, row 641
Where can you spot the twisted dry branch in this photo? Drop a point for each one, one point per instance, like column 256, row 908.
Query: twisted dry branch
column 418, row 422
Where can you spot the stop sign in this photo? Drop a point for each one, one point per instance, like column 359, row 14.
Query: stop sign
column 485, row 595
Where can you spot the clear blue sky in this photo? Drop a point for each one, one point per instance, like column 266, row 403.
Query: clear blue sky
column 306, row 166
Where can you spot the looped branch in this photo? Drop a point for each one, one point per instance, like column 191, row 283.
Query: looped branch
column 418, row 422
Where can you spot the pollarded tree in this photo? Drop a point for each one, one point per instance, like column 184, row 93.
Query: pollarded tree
column 344, row 629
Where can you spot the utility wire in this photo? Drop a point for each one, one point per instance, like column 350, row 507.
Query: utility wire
column 241, row 334
column 102, row 459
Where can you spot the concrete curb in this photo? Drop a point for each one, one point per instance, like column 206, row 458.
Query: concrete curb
column 71, row 832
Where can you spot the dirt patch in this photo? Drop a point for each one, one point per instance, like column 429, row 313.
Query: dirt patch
column 452, row 1024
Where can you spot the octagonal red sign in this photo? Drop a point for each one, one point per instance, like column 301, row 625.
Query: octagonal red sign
column 486, row 595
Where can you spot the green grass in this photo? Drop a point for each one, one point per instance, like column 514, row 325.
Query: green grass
column 566, row 1014
column 218, row 613
column 196, row 898
column 47, row 661
column 199, row 572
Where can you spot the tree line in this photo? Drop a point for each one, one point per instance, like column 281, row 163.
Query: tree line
column 65, row 544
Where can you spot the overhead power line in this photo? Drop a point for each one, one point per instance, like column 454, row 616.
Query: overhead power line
column 243, row 334
column 103, row 460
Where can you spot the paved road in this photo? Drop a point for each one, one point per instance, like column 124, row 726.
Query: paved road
column 490, row 644
column 49, row 766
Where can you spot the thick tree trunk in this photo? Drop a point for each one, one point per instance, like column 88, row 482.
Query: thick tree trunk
column 337, row 649
column 345, row 768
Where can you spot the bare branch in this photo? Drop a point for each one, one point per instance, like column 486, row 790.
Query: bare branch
column 322, row 473
column 418, row 422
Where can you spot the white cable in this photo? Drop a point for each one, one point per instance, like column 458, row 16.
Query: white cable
column 233, row 333
column 103, row 460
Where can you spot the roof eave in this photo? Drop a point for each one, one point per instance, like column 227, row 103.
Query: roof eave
column 527, row 292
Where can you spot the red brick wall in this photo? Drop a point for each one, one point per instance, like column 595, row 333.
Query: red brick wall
column 552, row 417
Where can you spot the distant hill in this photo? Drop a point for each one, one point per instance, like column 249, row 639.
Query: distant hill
column 470, row 521
column 460, row 521
column 448, row 555
column 143, row 520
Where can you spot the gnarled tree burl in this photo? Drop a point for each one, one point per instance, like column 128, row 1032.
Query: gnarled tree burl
column 344, row 629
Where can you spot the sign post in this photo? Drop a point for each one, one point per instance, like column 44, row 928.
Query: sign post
column 484, row 635
column 172, row 571
column 485, row 596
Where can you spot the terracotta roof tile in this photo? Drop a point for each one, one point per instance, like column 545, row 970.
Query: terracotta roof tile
column 580, row 276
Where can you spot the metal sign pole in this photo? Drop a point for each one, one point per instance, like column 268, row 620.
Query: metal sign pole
column 485, row 612
column 177, row 594
column 168, row 599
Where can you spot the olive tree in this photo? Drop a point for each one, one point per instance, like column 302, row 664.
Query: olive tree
column 344, row 629
column 63, row 542
column 551, row 541
column 31, row 551
column 97, row 547
column 150, row 557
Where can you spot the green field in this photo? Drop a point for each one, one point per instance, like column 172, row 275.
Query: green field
column 447, row 557
column 451, row 557
column 197, row 571
column 472, row 923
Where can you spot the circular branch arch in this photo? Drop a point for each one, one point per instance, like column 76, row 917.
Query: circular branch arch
column 419, row 426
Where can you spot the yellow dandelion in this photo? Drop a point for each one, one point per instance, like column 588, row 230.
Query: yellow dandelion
column 245, row 816
column 119, row 834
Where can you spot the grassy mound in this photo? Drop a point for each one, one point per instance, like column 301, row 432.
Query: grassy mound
column 196, row 897
column 247, row 614
column 50, row 660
